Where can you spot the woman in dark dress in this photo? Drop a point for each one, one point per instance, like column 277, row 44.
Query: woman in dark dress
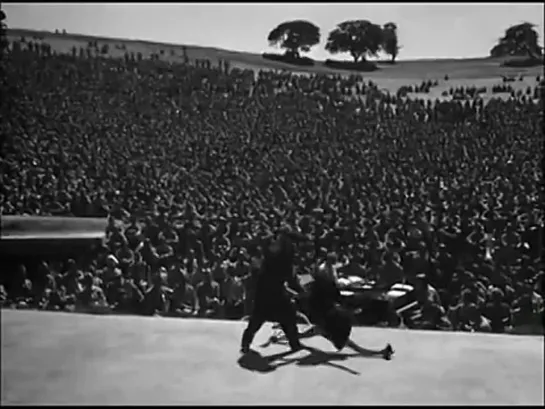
column 325, row 310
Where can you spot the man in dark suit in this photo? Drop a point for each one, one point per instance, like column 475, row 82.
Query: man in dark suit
column 272, row 301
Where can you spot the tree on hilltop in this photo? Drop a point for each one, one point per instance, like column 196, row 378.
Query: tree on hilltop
column 518, row 40
column 295, row 36
column 390, row 43
column 3, row 32
column 360, row 38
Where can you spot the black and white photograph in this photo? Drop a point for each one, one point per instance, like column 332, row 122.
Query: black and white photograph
column 272, row 204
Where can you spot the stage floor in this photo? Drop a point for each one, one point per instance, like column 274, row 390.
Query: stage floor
column 63, row 358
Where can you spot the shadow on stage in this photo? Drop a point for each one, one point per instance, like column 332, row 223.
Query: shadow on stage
column 254, row 361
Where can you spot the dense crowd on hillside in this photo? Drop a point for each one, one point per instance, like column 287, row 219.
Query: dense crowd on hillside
column 194, row 163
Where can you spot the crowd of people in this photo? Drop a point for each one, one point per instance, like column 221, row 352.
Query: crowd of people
column 194, row 163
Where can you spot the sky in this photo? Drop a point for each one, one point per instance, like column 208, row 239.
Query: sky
column 425, row 30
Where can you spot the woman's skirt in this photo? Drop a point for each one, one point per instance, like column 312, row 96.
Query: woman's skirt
column 325, row 311
column 337, row 326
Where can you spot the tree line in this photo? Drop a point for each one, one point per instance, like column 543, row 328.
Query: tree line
column 362, row 39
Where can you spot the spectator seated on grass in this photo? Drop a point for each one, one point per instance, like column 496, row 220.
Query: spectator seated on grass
column 467, row 317
column 115, row 293
column 115, row 238
column 133, row 233
column 232, row 296
column 432, row 316
column 3, row 296
column 498, row 311
column 425, row 291
column 183, row 302
column 473, row 321
column 208, row 294
column 157, row 296
column 111, row 270
column 92, row 298
column 21, row 293
column 527, row 307
column 125, row 256
column 55, row 295
column 72, row 282
column 139, row 272
column 391, row 271
column 148, row 253
column 164, row 251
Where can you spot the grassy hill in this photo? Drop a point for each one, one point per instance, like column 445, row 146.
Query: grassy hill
column 461, row 72
column 62, row 358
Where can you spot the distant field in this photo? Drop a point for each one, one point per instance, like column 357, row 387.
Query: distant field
column 465, row 72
